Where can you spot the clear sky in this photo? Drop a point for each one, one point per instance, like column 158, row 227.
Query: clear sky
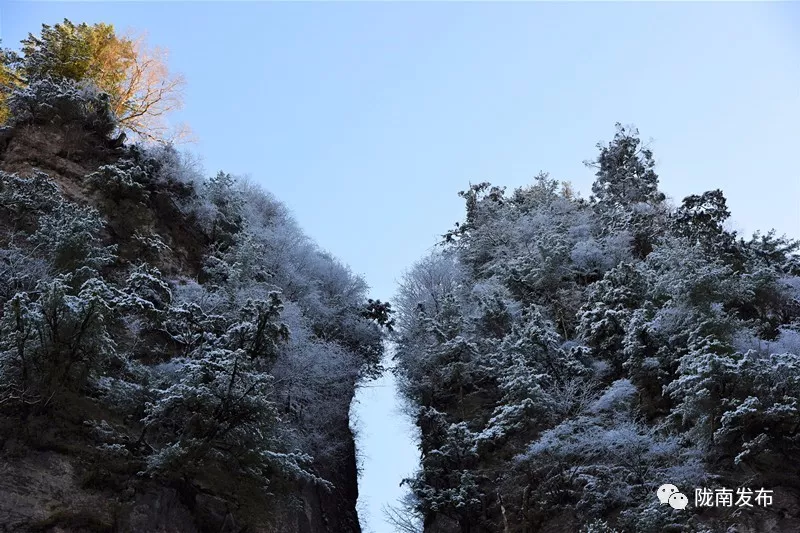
column 366, row 119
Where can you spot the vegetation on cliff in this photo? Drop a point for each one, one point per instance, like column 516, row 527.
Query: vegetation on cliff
column 565, row 357
column 163, row 335
column 139, row 88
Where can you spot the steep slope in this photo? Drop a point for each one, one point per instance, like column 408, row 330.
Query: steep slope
column 176, row 355
column 568, row 357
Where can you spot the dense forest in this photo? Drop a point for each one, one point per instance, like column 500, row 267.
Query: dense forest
column 564, row 357
column 175, row 354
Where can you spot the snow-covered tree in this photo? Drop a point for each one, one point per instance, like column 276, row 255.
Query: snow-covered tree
column 54, row 339
column 581, row 353
column 625, row 193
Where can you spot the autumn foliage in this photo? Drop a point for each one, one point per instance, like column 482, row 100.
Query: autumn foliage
column 142, row 91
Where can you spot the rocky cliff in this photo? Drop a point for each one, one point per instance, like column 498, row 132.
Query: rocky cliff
column 97, row 446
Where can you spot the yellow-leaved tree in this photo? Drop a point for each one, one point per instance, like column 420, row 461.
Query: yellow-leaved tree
column 141, row 89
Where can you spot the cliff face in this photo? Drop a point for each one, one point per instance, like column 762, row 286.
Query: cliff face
column 45, row 491
column 58, row 470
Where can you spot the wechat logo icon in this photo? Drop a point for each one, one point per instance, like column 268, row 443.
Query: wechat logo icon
column 670, row 494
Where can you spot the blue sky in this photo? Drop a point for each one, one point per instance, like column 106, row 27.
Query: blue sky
column 367, row 118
